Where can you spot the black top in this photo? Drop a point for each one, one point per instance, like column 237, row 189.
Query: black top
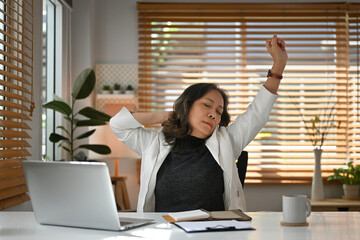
column 190, row 179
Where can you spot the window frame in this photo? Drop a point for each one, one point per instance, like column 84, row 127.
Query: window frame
column 52, row 75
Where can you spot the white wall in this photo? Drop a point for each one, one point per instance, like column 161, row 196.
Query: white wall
column 105, row 32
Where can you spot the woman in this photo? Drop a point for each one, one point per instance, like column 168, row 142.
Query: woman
column 190, row 163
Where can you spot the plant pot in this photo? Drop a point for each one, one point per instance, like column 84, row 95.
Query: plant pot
column 116, row 91
column 105, row 92
column 129, row 91
column 351, row 191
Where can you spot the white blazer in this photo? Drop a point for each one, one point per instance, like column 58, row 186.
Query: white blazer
column 225, row 145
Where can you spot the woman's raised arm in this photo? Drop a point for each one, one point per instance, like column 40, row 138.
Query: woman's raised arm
column 276, row 48
column 148, row 118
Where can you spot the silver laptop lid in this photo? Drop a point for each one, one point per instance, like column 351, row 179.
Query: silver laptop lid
column 77, row 194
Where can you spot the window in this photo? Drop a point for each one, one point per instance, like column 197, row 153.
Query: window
column 16, row 98
column 51, row 73
column 182, row 44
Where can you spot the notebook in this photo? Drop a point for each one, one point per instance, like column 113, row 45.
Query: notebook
column 203, row 215
column 75, row 194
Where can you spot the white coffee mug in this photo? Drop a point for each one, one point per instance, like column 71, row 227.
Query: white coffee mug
column 296, row 208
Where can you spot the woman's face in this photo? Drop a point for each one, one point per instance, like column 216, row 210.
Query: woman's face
column 205, row 114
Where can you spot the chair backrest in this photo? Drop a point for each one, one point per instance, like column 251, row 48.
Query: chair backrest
column 242, row 166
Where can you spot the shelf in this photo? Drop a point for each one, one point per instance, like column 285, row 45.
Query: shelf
column 335, row 204
column 115, row 96
column 115, row 99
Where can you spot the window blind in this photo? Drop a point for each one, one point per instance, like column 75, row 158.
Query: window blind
column 16, row 68
column 181, row 44
column 354, row 82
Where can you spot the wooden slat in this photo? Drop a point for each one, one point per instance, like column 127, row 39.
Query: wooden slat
column 15, row 77
column 14, row 86
column 12, row 182
column 341, row 39
column 231, row 14
column 12, row 192
column 12, row 124
column 10, row 172
column 232, row 63
column 10, row 114
column 289, row 45
column 146, row 26
column 16, row 58
column 240, row 20
column 15, row 48
column 10, row 153
column 328, row 70
column 14, row 134
column 143, row 6
column 14, row 144
column 204, row 31
column 13, row 201
column 20, row 33
column 149, row 76
column 14, row 96
column 14, row 105
column 9, row 163
column 12, row 66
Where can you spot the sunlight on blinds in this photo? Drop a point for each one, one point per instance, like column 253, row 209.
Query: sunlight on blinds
column 225, row 43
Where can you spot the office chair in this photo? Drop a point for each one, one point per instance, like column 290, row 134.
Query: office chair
column 241, row 165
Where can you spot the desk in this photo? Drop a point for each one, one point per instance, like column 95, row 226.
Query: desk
column 335, row 204
column 322, row 225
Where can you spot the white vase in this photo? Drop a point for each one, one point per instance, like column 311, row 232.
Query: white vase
column 317, row 188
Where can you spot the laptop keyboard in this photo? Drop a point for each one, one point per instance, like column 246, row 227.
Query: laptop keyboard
column 124, row 223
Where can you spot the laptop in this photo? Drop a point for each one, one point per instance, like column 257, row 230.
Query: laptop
column 75, row 194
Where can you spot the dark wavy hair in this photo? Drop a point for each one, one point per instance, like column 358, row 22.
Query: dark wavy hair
column 178, row 127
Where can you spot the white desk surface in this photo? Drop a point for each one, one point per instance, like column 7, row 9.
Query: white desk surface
column 322, row 225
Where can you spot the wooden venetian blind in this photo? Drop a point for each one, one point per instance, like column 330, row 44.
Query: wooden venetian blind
column 354, row 83
column 182, row 44
column 16, row 68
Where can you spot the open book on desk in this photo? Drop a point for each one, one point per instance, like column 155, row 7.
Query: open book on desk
column 203, row 215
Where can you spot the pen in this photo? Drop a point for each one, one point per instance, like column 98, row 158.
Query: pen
column 220, row 227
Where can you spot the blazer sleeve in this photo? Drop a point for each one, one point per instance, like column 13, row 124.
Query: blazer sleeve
column 129, row 131
column 248, row 124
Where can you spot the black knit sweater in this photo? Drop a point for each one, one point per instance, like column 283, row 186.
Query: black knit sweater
column 190, row 179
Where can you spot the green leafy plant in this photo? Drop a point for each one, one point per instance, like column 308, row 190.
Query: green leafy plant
column 129, row 88
column 348, row 176
column 116, row 86
column 82, row 88
column 106, row 88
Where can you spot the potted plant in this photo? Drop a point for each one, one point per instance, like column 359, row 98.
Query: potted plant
column 82, row 88
column 106, row 89
column 129, row 89
column 350, row 178
column 116, row 88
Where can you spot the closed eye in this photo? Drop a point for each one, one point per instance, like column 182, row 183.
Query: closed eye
column 207, row 105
